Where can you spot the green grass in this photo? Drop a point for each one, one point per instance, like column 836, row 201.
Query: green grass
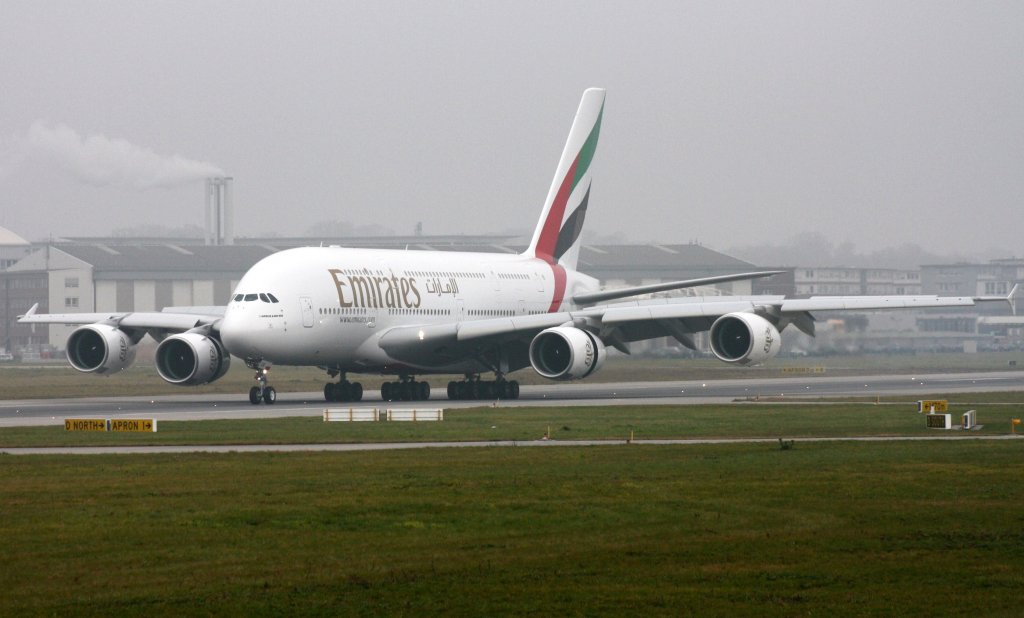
column 836, row 529
column 59, row 380
column 567, row 423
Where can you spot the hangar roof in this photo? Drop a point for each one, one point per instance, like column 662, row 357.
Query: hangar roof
column 169, row 260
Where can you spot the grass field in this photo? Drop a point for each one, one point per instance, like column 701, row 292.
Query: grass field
column 919, row 529
column 59, row 380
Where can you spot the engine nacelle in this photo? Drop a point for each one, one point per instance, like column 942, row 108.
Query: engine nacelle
column 566, row 353
column 100, row 348
column 191, row 359
column 744, row 339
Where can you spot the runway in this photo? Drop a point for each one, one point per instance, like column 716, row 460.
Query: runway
column 392, row 446
column 198, row 406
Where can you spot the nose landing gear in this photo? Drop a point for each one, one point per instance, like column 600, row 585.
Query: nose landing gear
column 262, row 391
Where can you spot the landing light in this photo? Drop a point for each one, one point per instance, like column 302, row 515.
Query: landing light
column 421, row 335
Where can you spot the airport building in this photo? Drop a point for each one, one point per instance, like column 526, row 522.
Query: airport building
column 117, row 274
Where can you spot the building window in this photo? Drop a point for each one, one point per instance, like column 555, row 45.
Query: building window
column 71, row 282
column 71, row 301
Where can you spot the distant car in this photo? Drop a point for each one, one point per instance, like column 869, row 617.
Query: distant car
column 5, row 357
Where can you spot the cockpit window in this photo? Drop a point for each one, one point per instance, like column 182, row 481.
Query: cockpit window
column 239, row 297
column 273, row 298
column 264, row 298
column 251, row 297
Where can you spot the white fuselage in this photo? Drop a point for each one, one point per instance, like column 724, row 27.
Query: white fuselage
column 334, row 303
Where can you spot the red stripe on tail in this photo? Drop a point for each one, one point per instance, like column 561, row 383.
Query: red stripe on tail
column 553, row 224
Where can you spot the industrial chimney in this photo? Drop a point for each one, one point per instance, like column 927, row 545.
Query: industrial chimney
column 220, row 212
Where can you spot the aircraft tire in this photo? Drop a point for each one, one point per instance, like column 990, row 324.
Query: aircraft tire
column 357, row 391
column 254, row 395
column 453, row 390
column 422, row 391
column 343, row 392
column 269, row 395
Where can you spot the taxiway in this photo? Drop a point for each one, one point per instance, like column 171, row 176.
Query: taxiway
column 197, row 405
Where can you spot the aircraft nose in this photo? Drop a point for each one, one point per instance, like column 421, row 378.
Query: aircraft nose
column 236, row 336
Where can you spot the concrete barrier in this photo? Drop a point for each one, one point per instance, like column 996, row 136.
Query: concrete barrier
column 416, row 414
column 351, row 415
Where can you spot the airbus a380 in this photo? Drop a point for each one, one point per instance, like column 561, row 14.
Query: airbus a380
column 414, row 313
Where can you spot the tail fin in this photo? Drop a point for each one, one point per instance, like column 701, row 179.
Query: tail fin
column 557, row 237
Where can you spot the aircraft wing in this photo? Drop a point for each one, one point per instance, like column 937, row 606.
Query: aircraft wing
column 179, row 320
column 620, row 323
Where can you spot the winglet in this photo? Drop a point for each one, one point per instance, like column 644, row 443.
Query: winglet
column 31, row 312
column 1012, row 298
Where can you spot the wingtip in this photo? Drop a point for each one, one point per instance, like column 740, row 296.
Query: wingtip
column 31, row 312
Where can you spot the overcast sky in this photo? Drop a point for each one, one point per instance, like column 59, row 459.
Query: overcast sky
column 727, row 123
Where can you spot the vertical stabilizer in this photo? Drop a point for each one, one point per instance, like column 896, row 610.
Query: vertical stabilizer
column 557, row 237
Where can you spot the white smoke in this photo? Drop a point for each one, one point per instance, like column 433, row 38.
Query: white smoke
column 102, row 161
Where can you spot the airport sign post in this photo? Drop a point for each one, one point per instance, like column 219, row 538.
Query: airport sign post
column 105, row 424
column 85, row 424
column 932, row 405
column 133, row 424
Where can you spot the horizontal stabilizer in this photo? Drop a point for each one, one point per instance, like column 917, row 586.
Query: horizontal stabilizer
column 596, row 297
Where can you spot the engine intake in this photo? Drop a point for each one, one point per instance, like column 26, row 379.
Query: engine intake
column 100, row 348
column 744, row 339
column 191, row 359
column 566, row 353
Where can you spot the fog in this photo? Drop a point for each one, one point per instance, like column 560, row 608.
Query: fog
column 735, row 124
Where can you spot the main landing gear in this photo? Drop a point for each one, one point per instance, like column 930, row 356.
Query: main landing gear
column 475, row 388
column 262, row 391
column 407, row 389
column 342, row 390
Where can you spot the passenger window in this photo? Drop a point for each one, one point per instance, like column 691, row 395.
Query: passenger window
column 250, row 297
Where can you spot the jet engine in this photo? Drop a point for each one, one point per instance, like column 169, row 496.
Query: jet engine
column 191, row 359
column 744, row 338
column 566, row 353
column 100, row 348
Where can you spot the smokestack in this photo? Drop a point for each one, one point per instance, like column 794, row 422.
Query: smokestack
column 220, row 215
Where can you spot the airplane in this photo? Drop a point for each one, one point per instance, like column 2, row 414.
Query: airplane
column 415, row 313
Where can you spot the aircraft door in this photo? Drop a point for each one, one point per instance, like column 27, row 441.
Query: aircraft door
column 307, row 311
column 495, row 280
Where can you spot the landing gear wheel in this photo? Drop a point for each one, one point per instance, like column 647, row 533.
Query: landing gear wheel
column 385, row 391
column 330, row 392
column 343, row 391
column 513, row 390
column 254, row 395
column 269, row 395
column 422, row 391
column 356, row 392
column 453, row 390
